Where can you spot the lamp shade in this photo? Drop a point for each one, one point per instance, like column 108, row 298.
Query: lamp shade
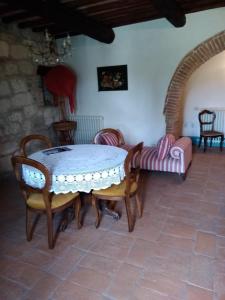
column 61, row 81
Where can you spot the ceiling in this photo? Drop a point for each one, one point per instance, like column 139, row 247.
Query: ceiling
column 96, row 18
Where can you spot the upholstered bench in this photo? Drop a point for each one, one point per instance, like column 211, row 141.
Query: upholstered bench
column 168, row 156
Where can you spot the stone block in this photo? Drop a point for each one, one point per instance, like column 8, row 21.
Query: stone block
column 5, row 105
column 12, row 129
column 11, row 69
column 4, row 88
column 49, row 116
column 8, row 148
column 38, row 122
column 15, row 116
column 30, row 110
column 18, row 85
column 2, row 133
column 27, row 127
column 26, row 68
column 21, row 100
column 19, row 52
column 5, row 163
column 7, row 37
column 4, row 49
column 2, row 72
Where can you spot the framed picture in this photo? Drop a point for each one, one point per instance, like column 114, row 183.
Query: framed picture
column 113, row 78
column 48, row 98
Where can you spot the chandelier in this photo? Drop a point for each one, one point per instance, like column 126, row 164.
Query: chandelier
column 47, row 52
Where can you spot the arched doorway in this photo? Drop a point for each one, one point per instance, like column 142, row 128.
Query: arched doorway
column 173, row 108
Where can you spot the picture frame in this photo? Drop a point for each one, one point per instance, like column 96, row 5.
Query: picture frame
column 48, row 98
column 112, row 78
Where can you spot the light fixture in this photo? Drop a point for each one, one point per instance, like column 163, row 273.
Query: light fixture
column 47, row 52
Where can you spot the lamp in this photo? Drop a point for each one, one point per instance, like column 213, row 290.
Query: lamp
column 46, row 51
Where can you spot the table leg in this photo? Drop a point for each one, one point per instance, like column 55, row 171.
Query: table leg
column 68, row 216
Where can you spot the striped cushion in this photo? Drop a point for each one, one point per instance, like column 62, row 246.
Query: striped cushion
column 97, row 139
column 150, row 161
column 164, row 145
column 109, row 139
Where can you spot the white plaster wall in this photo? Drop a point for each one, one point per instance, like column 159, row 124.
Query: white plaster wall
column 204, row 89
column 152, row 51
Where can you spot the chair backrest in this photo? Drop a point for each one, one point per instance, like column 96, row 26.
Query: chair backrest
column 206, row 119
column 44, row 140
column 132, row 174
column 18, row 162
column 115, row 134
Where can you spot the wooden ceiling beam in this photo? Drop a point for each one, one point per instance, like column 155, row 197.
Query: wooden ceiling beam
column 123, row 19
column 17, row 17
column 90, row 3
column 71, row 19
column 114, row 10
column 35, row 23
column 172, row 11
column 202, row 5
column 128, row 21
column 6, row 11
column 126, row 4
column 86, row 25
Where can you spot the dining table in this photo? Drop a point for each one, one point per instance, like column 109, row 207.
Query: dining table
column 78, row 168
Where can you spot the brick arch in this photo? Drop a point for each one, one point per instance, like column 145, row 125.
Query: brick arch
column 174, row 103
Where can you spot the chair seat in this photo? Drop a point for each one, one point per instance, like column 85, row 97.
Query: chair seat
column 211, row 133
column 36, row 200
column 116, row 190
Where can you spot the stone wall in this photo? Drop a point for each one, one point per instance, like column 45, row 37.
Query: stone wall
column 174, row 104
column 22, row 110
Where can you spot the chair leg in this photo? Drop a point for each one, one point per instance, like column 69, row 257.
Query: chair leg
column 30, row 227
column 139, row 205
column 221, row 143
column 112, row 205
column 200, row 141
column 94, row 204
column 77, row 212
column 129, row 215
column 211, row 142
column 50, row 230
column 65, row 220
column 205, row 143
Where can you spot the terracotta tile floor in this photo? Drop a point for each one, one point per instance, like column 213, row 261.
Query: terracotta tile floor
column 176, row 252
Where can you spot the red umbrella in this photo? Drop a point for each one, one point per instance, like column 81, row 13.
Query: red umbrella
column 61, row 81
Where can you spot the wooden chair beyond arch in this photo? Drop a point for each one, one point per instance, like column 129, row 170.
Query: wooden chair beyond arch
column 124, row 191
column 207, row 120
column 40, row 200
column 109, row 136
column 44, row 140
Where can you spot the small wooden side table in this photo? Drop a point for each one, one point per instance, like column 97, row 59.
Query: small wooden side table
column 65, row 131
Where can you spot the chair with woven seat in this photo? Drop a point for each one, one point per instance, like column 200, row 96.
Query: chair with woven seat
column 109, row 136
column 41, row 139
column 207, row 120
column 40, row 200
column 124, row 191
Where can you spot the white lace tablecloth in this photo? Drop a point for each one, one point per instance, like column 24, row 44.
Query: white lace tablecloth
column 79, row 168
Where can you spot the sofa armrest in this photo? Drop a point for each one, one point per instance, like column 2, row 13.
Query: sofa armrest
column 180, row 146
column 182, row 149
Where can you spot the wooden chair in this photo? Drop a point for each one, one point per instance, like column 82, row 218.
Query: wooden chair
column 44, row 140
column 115, row 132
column 207, row 121
column 40, row 200
column 128, row 188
